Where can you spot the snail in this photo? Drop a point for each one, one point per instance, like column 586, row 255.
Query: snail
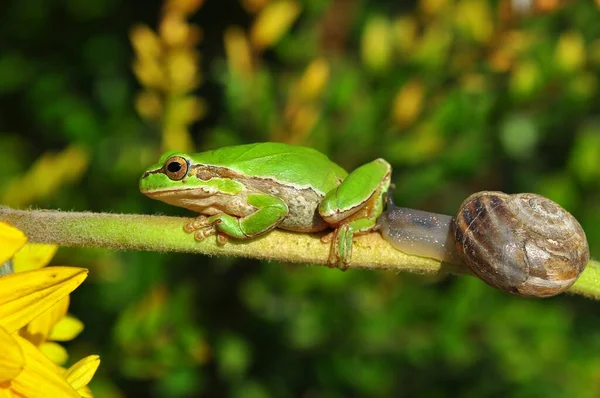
column 523, row 244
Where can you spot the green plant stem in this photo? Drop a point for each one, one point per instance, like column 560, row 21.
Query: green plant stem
column 160, row 233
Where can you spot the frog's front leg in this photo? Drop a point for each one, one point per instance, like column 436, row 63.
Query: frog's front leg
column 353, row 207
column 270, row 211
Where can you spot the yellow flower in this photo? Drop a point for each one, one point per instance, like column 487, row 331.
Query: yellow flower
column 24, row 370
column 12, row 240
column 54, row 324
column 80, row 374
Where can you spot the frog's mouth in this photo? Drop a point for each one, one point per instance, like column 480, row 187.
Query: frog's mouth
column 180, row 194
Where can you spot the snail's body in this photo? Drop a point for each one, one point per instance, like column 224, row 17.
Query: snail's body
column 418, row 232
column 522, row 244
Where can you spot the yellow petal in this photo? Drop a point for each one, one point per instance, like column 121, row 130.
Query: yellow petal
column 37, row 331
column 26, row 295
column 80, row 374
column 55, row 352
column 33, row 256
column 11, row 357
column 84, row 392
column 6, row 392
column 40, row 377
column 11, row 240
column 66, row 329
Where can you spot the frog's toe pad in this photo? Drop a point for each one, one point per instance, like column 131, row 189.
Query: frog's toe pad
column 196, row 224
column 204, row 233
column 328, row 238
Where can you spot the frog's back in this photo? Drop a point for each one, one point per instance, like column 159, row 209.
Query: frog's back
column 296, row 165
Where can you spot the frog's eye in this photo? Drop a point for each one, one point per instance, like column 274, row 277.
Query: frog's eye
column 176, row 168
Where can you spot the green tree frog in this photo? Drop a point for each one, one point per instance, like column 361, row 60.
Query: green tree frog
column 244, row 191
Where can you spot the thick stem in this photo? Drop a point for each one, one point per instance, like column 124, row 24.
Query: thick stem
column 138, row 232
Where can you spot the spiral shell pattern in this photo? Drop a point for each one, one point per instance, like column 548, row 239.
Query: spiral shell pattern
column 524, row 244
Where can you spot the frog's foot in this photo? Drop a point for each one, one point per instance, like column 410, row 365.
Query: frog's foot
column 328, row 238
column 202, row 227
column 340, row 252
column 196, row 224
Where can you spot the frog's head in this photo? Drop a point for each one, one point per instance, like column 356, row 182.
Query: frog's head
column 180, row 180
column 169, row 174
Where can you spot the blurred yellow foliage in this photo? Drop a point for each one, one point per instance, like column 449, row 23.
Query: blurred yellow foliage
column 145, row 43
column 583, row 85
column 428, row 141
column 474, row 82
column 313, row 81
column 148, row 105
column 150, row 315
column 408, row 103
column 237, row 50
column 585, row 155
column 46, row 176
column 419, row 145
column 525, row 78
column 474, row 18
column 302, row 108
column 188, row 110
column 182, row 70
column 511, row 45
column 432, row 48
column 301, row 121
column 167, row 66
column 176, row 32
column 183, row 6
column 376, row 44
column 594, row 51
column 434, row 7
column 273, row 22
column 570, row 51
column 405, row 33
column 253, row 6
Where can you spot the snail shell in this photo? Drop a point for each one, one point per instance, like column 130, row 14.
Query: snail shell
column 524, row 244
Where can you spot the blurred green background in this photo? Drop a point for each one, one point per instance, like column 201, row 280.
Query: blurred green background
column 459, row 95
